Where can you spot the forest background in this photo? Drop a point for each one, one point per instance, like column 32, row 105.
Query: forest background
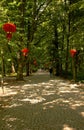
column 49, row 29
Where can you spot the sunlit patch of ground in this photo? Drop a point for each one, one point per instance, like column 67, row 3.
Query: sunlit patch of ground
column 66, row 127
column 7, row 92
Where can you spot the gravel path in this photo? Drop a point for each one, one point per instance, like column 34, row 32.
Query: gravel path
column 41, row 103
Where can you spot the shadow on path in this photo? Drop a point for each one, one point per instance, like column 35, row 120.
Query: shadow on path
column 42, row 103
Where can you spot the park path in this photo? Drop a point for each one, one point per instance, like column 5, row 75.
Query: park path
column 41, row 103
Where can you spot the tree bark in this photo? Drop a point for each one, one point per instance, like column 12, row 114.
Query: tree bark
column 68, row 20
column 20, row 59
column 56, row 43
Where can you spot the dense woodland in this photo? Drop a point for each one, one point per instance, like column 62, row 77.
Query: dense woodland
column 48, row 29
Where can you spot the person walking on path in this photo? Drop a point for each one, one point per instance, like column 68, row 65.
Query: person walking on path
column 51, row 71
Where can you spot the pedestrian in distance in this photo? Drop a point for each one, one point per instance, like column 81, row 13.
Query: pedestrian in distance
column 51, row 72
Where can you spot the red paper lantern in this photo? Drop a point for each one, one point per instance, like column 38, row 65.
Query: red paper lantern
column 9, row 27
column 25, row 51
column 73, row 52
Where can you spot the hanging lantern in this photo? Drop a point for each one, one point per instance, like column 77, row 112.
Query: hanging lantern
column 25, row 51
column 9, row 28
column 73, row 52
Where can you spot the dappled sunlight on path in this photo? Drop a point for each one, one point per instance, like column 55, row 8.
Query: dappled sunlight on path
column 42, row 103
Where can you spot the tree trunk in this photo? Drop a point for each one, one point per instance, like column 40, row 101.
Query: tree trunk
column 56, row 51
column 67, row 38
column 30, row 34
column 27, row 69
column 28, row 42
column 20, row 58
column 20, row 67
column 13, row 68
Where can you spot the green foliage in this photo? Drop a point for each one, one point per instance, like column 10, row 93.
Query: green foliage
column 48, row 28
